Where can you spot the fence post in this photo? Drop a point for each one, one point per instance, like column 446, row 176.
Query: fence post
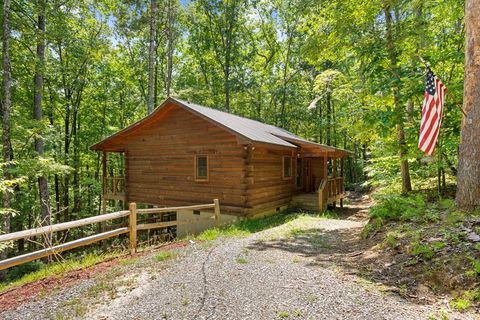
column 217, row 212
column 133, row 227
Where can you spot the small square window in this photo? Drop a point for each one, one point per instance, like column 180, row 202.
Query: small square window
column 287, row 167
column 201, row 167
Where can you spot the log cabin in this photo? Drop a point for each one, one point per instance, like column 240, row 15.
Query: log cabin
column 185, row 154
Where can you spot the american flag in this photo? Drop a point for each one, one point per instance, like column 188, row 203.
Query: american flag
column 432, row 112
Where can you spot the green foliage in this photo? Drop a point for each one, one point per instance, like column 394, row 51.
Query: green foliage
column 17, row 272
column 241, row 260
column 394, row 207
column 475, row 265
column 165, row 255
column 249, row 226
column 44, row 271
column 466, row 299
column 460, row 304
column 422, row 250
column 392, row 239
column 372, row 227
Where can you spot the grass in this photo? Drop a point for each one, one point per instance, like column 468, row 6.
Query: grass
column 60, row 268
column 466, row 299
column 250, row 226
column 460, row 304
column 165, row 255
column 242, row 260
column 283, row 314
column 128, row 261
column 311, row 298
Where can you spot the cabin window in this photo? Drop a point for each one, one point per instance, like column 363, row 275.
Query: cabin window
column 201, row 168
column 287, row 167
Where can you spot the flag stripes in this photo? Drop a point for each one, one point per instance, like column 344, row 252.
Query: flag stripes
column 432, row 112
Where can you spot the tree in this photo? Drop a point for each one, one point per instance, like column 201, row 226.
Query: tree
column 170, row 33
column 37, row 112
column 223, row 21
column 399, row 114
column 151, row 55
column 468, row 179
column 6, row 110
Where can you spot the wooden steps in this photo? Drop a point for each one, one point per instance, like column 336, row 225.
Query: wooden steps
column 306, row 201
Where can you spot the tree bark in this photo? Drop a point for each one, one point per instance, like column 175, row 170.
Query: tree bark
column 399, row 112
column 37, row 114
column 329, row 118
column 6, row 109
column 153, row 29
column 468, row 179
column 76, row 162
column 170, row 39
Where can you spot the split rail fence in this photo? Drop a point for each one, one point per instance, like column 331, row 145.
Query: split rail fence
column 132, row 229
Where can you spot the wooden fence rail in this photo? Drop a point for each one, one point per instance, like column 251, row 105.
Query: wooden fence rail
column 131, row 229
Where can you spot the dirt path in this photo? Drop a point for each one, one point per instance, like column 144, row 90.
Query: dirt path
column 302, row 269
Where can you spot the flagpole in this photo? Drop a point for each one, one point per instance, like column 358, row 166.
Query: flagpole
column 448, row 92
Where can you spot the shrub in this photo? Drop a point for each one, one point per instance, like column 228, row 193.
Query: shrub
column 460, row 304
column 19, row 271
column 394, row 207
column 392, row 240
column 422, row 250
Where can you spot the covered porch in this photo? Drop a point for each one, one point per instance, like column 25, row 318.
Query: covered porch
column 113, row 178
column 320, row 179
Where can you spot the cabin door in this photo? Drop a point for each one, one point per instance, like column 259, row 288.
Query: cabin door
column 307, row 174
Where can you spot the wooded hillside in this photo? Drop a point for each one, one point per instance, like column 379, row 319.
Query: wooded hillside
column 335, row 72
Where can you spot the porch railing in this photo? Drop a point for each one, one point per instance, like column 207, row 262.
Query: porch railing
column 329, row 191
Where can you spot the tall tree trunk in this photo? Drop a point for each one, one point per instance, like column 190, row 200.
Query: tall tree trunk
column 55, row 154
column 334, row 122
column 153, row 28
column 329, row 118
column 68, row 105
column 405, row 172
column 37, row 114
column 76, row 162
column 468, row 179
column 320, row 122
column 6, row 109
column 170, row 39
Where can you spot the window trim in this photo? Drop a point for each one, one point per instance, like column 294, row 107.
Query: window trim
column 195, row 172
column 283, row 168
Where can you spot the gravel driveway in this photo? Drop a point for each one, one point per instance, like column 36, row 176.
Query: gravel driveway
column 268, row 275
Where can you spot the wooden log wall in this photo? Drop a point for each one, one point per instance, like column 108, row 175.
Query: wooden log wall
column 269, row 189
column 161, row 163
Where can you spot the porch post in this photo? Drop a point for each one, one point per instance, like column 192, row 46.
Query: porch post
column 325, row 166
column 104, row 182
column 325, row 192
column 335, row 189
column 343, row 181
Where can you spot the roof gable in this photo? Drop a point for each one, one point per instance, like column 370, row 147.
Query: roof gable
column 248, row 129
